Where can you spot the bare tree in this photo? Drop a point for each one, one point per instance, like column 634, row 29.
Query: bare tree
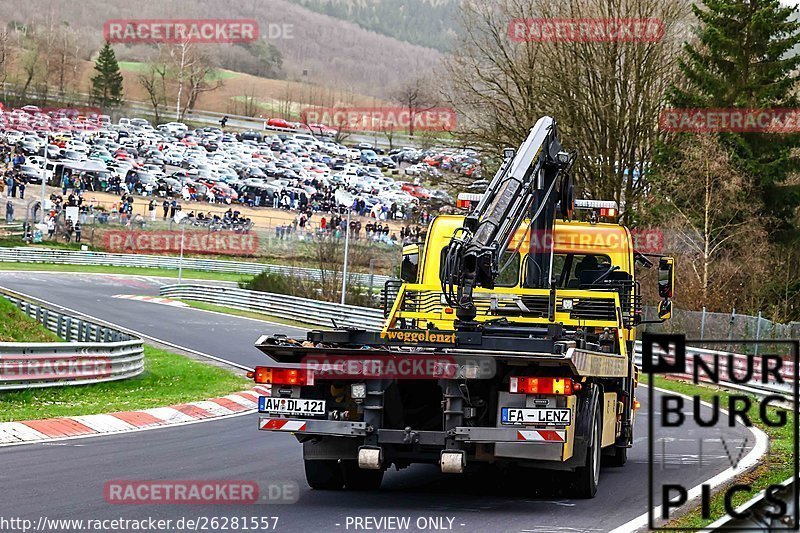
column 5, row 56
column 30, row 60
column 606, row 96
column 710, row 215
column 66, row 51
column 190, row 70
column 250, row 103
column 154, row 83
column 417, row 96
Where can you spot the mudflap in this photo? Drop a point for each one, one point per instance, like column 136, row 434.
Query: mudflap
column 343, row 448
column 583, row 426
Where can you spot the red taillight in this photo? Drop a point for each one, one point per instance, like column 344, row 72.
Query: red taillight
column 608, row 212
column 537, row 385
column 283, row 376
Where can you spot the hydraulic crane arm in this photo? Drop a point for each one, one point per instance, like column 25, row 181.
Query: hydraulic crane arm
column 532, row 183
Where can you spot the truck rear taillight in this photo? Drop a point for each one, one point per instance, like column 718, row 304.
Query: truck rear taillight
column 283, row 376
column 537, row 385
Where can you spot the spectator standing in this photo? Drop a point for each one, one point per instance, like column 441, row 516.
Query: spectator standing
column 68, row 230
column 151, row 207
column 77, row 232
column 9, row 212
column 165, row 206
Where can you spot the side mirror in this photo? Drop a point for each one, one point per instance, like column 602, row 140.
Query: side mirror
column 666, row 286
column 666, row 277
column 665, row 309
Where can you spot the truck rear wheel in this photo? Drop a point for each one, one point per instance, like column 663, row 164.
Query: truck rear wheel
column 587, row 477
column 356, row 478
column 324, row 474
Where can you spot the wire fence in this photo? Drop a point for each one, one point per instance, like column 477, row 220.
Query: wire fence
column 705, row 325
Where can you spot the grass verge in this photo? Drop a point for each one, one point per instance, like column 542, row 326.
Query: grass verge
column 248, row 314
column 168, row 379
column 135, row 271
column 16, row 326
column 775, row 467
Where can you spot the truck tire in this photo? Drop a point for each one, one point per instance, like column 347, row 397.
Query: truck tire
column 587, row 477
column 617, row 457
column 356, row 478
column 324, row 474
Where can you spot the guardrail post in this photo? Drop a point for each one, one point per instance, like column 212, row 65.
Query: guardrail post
column 68, row 329
column 730, row 328
column 371, row 276
column 703, row 324
column 758, row 330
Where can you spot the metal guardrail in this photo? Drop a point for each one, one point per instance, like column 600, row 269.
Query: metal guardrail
column 755, row 512
column 755, row 387
column 74, row 257
column 313, row 312
column 93, row 353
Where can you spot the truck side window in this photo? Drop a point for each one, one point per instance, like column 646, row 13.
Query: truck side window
column 408, row 268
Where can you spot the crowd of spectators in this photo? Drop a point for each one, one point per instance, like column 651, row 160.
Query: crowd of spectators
column 13, row 182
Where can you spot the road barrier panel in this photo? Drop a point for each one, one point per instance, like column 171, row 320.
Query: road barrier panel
column 74, row 257
column 314, row 312
column 91, row 353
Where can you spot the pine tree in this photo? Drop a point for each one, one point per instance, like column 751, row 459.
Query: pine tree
column 107, row 83
column 746, row 59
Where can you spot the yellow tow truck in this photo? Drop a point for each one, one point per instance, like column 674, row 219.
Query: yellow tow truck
column 509, row 340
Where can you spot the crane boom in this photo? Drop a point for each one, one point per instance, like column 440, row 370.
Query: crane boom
column 525, row 186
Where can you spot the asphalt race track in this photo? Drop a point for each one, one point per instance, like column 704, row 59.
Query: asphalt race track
column 66, row 479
